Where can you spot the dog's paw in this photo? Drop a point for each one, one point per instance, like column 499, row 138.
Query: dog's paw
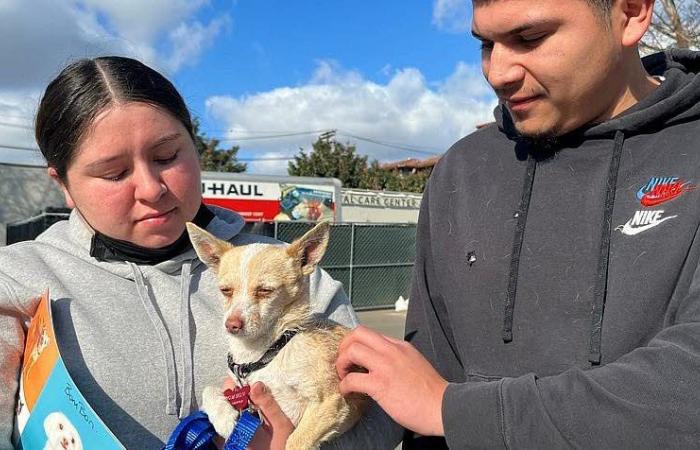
column 221, row 414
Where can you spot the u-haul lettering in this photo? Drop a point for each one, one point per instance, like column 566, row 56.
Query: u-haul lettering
column 228, row 189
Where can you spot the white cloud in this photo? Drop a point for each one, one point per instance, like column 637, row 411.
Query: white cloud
column 268, row 163
column 17, row 109
column 424, row 116
column 35, row 46
column 37, row 41
column 188, row 41
column 451, row 15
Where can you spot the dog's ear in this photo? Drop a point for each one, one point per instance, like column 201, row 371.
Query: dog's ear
column 208, row 248
column 309, row 249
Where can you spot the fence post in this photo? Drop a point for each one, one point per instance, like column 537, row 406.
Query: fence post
column 352, row 259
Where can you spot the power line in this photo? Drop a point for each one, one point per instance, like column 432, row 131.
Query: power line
column 268, row 136
column 17, row 147
column 11, row 116
column 271, row 158
column 396, row 145
column 405, row 147
column 17, row 125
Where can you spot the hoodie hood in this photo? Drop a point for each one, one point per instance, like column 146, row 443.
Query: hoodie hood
column 676, row 100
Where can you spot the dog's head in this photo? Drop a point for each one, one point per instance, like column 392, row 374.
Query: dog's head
column 60, row 433
column 259, row 282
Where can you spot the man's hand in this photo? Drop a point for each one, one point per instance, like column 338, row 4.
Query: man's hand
column 398, row 378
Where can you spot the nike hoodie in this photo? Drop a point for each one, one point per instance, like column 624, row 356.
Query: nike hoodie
column 556, row 286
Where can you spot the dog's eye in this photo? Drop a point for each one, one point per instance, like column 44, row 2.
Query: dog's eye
column 263, row 291
column 227, row 291
column 60, row 426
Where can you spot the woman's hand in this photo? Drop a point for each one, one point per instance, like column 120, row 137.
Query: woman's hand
column 276, row 427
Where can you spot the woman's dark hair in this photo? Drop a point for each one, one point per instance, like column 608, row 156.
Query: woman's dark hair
column 85, row 88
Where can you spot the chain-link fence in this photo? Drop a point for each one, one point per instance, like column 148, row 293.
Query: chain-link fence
column 373, row 261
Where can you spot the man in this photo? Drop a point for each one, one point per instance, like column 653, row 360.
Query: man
column 555, row 300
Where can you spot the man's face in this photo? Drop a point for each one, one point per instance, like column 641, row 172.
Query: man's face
column 553, row 63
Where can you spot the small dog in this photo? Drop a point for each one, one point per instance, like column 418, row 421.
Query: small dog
column 60, row 433
column 265, row 289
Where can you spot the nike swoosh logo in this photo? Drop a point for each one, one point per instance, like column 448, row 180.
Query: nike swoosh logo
column 629, row 230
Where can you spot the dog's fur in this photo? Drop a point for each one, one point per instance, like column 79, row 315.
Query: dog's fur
column 265, row 289
column 60, row 433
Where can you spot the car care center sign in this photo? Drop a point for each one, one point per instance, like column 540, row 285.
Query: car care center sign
column 267, row 201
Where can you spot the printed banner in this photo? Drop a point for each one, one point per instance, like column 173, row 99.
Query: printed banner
column 260, row 201
column 51, row 411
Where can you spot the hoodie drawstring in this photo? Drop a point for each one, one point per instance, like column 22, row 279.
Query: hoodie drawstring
column 186, row 340
column 601, row 283
column 165, row 341
column 521, row 215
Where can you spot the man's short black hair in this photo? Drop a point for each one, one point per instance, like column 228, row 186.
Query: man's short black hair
column 602, row 7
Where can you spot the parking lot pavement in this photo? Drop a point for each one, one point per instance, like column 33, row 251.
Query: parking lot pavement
column 386, row 321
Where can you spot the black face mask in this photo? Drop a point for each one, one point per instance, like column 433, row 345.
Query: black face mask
column 105, row 248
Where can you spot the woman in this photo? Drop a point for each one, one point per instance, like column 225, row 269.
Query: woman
column 138, row 316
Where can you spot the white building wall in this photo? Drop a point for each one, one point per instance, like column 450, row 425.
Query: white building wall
column 380, row 206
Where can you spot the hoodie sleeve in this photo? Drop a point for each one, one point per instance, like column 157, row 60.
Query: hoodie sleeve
column 646, row 399
column 427, row 325
column 13, row 322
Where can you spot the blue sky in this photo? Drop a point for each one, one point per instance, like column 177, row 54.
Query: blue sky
column 402, row 73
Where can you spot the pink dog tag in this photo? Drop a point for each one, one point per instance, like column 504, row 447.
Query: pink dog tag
column 238, row 397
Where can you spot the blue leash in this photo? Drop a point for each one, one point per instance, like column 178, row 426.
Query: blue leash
column 195, row 432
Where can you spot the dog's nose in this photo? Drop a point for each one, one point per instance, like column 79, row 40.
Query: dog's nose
column 234, row 323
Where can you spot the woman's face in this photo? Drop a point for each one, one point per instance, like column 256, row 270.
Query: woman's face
column 135, row 175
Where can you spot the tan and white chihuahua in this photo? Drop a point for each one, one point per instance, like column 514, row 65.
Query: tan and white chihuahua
column 273, row 337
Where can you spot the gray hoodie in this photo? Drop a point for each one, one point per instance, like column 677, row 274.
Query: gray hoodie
column 141, row 342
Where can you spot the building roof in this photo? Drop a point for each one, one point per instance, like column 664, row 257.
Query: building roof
column 412, row 163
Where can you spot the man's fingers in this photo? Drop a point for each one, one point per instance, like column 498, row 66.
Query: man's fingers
column 365, row 336
column 357, row 382
column 354, row 355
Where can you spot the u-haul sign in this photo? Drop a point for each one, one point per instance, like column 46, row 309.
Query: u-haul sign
column 268, row 198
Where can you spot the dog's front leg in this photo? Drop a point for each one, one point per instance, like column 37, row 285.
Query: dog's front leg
column 319, row 422
column 221, row 414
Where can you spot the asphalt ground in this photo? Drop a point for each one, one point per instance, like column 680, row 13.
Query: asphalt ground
column 385, row 321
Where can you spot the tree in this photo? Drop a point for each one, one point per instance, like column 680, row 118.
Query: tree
column 676, row 23
column 211, row 157
column 329, row 158
column 379, row 179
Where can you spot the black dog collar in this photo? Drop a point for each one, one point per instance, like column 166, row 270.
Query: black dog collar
column 243, row 370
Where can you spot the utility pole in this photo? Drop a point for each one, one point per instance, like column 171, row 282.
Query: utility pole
column 327, row 136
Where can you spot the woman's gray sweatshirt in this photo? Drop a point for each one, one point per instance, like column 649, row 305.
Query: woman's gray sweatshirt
column 141, row 342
